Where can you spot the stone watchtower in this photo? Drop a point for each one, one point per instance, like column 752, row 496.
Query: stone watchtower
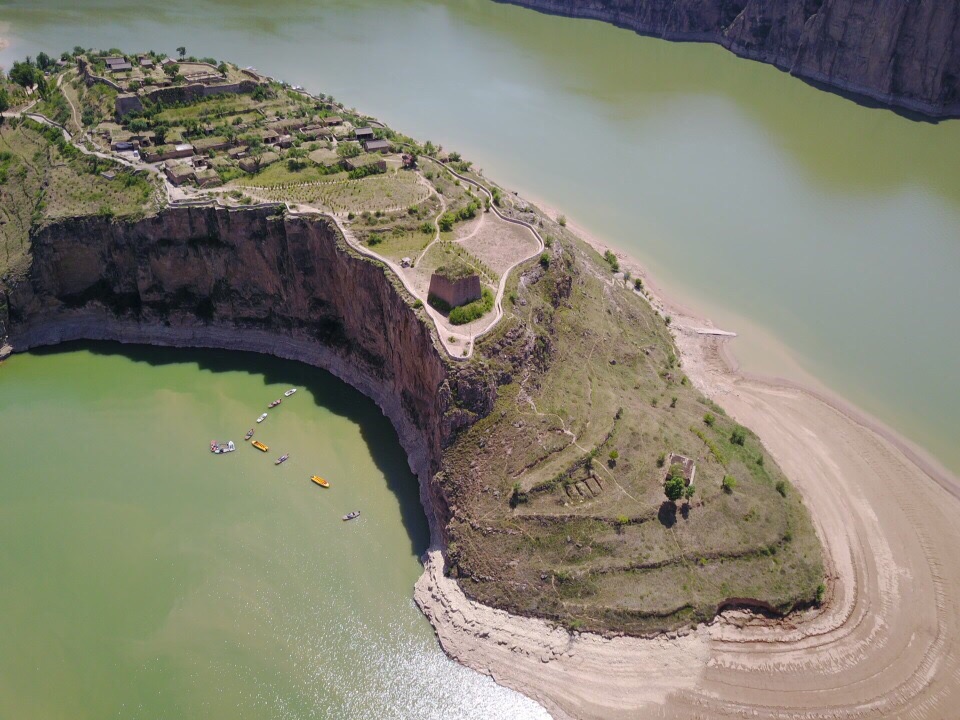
column 455, row 284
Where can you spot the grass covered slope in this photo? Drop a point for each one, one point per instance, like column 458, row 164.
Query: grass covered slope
column 559, row 497
column 43, row 178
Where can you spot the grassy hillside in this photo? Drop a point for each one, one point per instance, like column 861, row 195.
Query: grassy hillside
column 559, row 493
column 43, row 178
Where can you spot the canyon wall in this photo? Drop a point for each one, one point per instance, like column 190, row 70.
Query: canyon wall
column 255, row 280
column 903, row 53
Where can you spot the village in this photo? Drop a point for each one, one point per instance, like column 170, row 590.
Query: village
column 210, row 131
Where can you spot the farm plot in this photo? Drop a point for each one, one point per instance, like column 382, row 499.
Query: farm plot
column 499, row 244
column 378, row 192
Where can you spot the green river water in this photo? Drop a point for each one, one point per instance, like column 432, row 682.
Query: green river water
column 827, row 233
column 144, row 577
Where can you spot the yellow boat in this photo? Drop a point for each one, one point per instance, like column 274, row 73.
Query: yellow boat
column 319, row 481
column 259, row 446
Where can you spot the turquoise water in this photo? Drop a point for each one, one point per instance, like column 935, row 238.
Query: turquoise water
column 144, row 577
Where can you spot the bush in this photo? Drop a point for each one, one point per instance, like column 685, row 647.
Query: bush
column 782, row 487
column 661, row 459
column 473, row 311
column 417, row 304
column 637, row 284
column 728, row 484
column 612, row 260
column 673, row 488
column 562, row 220
column 548, row 241
column 821, row 591
column 622, row 520
column 738, row 436
column 545, row 260
column 709, row 419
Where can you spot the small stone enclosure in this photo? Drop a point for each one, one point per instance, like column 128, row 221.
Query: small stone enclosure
column 455, row 285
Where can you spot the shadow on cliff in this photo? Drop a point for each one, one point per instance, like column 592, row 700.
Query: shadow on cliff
column 328, row 392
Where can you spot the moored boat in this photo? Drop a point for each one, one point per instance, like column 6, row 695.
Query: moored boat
column 290, row 392
column 259, row 446
column 320, row 481
column 352, row 515
column 220, row 448
column 249, row 434
column 262, row 418
column 275, row 403
column 282, row 459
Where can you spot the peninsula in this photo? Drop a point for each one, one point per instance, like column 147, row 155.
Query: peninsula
column 602, row 530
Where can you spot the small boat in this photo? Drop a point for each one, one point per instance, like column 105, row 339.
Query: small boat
column 259, row 446
column 262, row 418
column 290, row 392
column 249, row 434
column 282, row 459
column 220, row 448
column 275, row 403
column 352, row 515
column 319, row 481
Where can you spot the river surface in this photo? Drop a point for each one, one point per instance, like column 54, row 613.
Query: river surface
column 144, row 577
column 827, row 233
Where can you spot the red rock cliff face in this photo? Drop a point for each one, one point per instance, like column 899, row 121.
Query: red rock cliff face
column 904, row 53
column 253, row 280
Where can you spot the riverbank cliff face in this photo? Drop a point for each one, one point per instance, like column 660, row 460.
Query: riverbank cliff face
column 896, row 52
column 254, row 280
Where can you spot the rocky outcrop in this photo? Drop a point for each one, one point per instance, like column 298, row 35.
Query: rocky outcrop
column 257, row 280
column 903, row 53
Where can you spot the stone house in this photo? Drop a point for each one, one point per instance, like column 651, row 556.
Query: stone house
column 687, row 467
column 380, row 146
column 455, row 285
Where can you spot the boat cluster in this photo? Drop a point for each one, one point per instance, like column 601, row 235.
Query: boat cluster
column 218, row 448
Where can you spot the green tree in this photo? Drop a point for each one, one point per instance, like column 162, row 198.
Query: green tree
column 688, row 493
column 44, row 61
column 728, row 484
column 23, row 73
column 709, row 419
column 738, row 436
column 673, row 488
column 181, row 51
column 446, row 222
column 4, row 100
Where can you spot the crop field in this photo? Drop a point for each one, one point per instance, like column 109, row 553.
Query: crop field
column 497, row 243
column 370, row 194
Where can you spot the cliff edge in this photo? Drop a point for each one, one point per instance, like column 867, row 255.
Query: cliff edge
column 904, row 54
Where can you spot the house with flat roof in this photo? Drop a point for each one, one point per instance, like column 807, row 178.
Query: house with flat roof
column 363, row 133
column 380, row 146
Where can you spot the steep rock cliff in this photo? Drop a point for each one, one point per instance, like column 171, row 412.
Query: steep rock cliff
column 253, row 280
column 904, row 53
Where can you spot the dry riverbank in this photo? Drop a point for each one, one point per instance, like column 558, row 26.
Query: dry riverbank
column 886, row 642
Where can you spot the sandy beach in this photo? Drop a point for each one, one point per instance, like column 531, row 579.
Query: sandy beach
column 886, row 643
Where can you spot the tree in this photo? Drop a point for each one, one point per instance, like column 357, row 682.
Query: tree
column 738, row 436
column 44, row 62
column 23, row 74
column 728, row 484
column 255, row 149
column 4, row 100
column 688, row 493
column 181, row 51
column 614, row 455
column 172, row 70
column 673, row 488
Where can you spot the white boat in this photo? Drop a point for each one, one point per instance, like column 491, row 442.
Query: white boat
column 220, row 448
column 262, row 418
column 290, row 392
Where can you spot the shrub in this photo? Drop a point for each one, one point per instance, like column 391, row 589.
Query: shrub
column 673, row 488
column 472, row 311
column 637, row 284
column 561, row 220
column 673, row 401
column 661, row 459
column 728, row 484
column 709, row 418
column 517, row 496
column 545, row 260
column 738, row 436
column 821, row 591
column 446, row 222
column 417, row 304
column 782, row 487
column 612, row 260
column 548, row 240
column 426, row 228
column 622, row 520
